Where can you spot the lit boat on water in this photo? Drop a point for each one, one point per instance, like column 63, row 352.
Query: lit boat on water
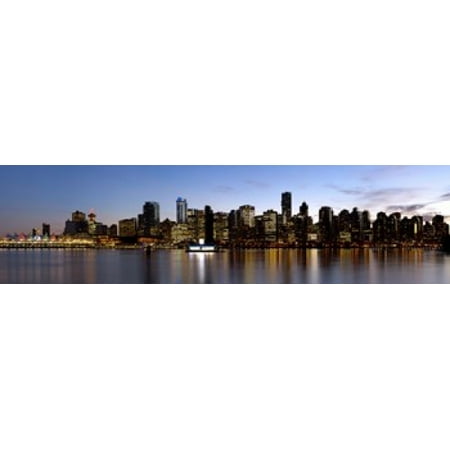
column 201, row 247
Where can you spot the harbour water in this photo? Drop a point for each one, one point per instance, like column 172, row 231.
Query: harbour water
column 348, row 266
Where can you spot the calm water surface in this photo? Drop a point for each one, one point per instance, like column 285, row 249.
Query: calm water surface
column 249, row 266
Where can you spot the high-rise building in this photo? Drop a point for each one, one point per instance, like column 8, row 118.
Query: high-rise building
column 326, row 224
column 247, row 216
column 286, row 206
column 45, row 230
column 304, row 209
column 78, row 224
column 149, row 217
column 127, row 228
column 209, row 225
column 270, row 225
column 181, row 210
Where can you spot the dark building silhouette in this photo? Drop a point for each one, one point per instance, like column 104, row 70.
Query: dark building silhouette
column 45, row 230
column 326, row 225
column 304, row 209
column 209, row 225
column 380, row 228
column 286, row 206
column 78, row 224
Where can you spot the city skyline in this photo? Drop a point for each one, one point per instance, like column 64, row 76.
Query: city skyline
column 38, row 194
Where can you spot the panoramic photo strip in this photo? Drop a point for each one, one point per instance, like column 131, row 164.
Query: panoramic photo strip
column 225, row 224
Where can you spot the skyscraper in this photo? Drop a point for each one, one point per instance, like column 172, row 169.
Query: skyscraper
column 46, row 230
column 209, row 225
column 150, row 215
column 181, row 210
column 286, row 206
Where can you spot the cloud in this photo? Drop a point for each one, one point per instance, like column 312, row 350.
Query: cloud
column 406, row 208
column 354, row 191
column 257, row 184
column 445, row 196
column 375, row 173
column 224, row 189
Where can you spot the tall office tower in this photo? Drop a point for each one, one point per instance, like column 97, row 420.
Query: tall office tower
column 45, row 230
column 270, row 225
column 380, row 228
column 344, row 221
column 393, row 227
column 247, row 216
column 286, row 206
column 365, row 220
column 356, row 221
column 304, row 209
column 78, row 224
column 326, row 224
column 209, row 225
column 181, row 210
column 150, row 215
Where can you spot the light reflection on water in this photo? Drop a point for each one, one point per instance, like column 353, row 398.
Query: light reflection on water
column 249, row 266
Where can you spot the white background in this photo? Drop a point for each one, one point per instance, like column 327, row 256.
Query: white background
column 174, row 367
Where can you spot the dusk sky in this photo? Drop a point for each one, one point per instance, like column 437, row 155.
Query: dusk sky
column 32, row 195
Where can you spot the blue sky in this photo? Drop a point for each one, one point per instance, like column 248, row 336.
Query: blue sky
column 35, row 194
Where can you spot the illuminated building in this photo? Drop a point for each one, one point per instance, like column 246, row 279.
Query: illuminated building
column 196, row 223
column 78, row 216
column 128, row 228
column 270, row 225
column 246, row 216
column 221, row 229
column 181, row 210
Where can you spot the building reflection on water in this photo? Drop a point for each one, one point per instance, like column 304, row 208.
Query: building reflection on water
column 279, row 266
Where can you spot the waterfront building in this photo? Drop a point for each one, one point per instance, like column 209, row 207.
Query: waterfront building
column 196, row 223
column 180, row 233
column 181, row 210
column 128, row 228
column 77, row 226
column 209, row 225
column 221, row 230
column 112, row 230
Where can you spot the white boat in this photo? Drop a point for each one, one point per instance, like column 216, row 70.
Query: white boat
column 201, row 247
